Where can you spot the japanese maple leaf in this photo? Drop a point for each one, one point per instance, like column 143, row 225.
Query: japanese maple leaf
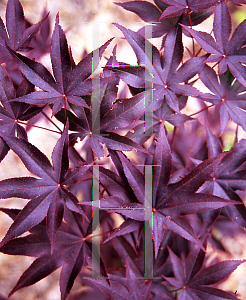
column 41, row 43
column 71, row 251
column 133, row 289
column 179, row 7
column 132, row 284
column 121, row 112
column 11, row 113
column 162, row 114
column 193, row 281
column 70, row 82
column 18, row 34
column 186, row 145
column 112, row 114
column 162, row 74
column 227, row 95
column 225, row 52
column 148, row 12
column 229, row 176
column 170, row 202
column 48, row 193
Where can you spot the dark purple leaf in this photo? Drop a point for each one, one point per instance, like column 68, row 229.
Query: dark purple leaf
column 227, row 95
column 145, row 10
column 19, row 34
column 179, row 7
column 166, row 79
column 224, row 52
column 120, row 115
column 11, row 113
column 70, row 82
column 70, row 251
column 47, row 194
column 197, row 287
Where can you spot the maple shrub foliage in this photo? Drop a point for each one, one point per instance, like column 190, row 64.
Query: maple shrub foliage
column 142, row 159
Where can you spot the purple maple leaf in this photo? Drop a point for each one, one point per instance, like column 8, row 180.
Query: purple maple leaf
column 70, row 82
column 167, row 81
column 171, row 201
column 225, row 52
column 49, row 194
column 194, row 281
column 227, row 95
column 18, row 34
column 71, row 251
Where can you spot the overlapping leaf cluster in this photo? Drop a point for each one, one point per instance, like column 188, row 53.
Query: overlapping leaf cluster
column 123, row 143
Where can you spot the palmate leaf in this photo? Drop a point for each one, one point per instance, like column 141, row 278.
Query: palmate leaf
column 112, row 114
column 135, row 284
column 69, row 82
column 179, row 7
column 168, row 82
column 178, row 198
column 12, row 112
column 228, row 95
column 49, row 194
column 194, row 281
column 18, row 34
column 229, row 176
column 134, row 289
column 148, row 12
column 171, row 201
column 225, row 52
column 162, row 114
column 71, row 252
column 111, row 139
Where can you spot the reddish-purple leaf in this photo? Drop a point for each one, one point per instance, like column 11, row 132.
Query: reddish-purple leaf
column 162, row 165
column 115, row 291
column 19, row 33
column 134, row 177
column 215, row 273
column 121, row 114
column 179, row 7
column 69, row 83
column 191, row 187
column 162, row 73
column 50, row 190
column 197, row 287
column 145, row 10
column 69, row 252
column 225, row 52
column 227, row 95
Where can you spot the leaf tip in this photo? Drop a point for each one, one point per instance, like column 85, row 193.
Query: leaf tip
column 57, row 18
